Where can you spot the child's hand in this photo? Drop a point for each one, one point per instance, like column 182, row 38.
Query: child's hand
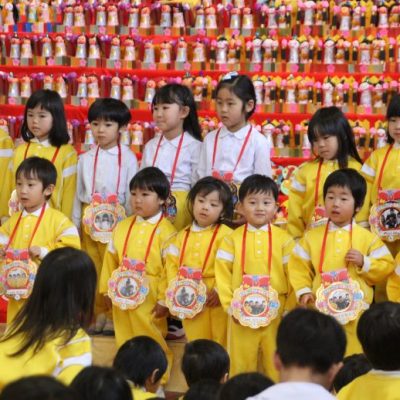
column 307, row 299
column 354, row 256
column 108, row 302
column 213, row 299
column 160, row 311
column 34, row 251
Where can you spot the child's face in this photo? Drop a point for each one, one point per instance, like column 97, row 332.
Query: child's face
column 339, row 205
column 326, row 146
column 207, row 208
column 145, row 203
column 230, row 109
column 258, row 209
column 40, row 122
column 394, row 128
column 106, row 133
column 30, row 192
column 169, row 118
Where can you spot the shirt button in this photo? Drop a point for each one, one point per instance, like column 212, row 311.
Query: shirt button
column 258, row 233
column 141, row 232
column 197, row 244
column 140, row 241
column 259, row 241
column 196, row 254
column 258, row 251
column 339, row 240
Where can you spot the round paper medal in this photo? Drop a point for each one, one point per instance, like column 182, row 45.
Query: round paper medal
column 127, row 289
column 99, row 220
column 319, row 217
column 385, row 221
column 255, row 306
column 170, row 208
column 17, row 279
column 185, row 298
column 341, row 300
column 13, row 204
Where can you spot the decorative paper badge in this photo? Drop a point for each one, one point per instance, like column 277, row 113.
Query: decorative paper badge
column 187, row 294
column 128, row 285
column 255, row 303
column 227, row 177
column 13, row 204
column 319, row 217
column 340, row 296
column 101, row 217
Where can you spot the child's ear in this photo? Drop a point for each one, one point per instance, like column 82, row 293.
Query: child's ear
column 249, row 106
column 277, row 362
column 153, row 378
column 48, row 190
column 224, row 378
column 184, row 111
column 239, row 207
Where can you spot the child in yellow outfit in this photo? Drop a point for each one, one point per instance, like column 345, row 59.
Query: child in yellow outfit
column 332, row 139
column 328, row 255
column 46, row 135
column 176, row 151
column 254, row 253
column 139, row 241
column 210, row 202
column 105, row 170
column 38, row 228
column 6, row 155
column 47, row 337
column 378, row 331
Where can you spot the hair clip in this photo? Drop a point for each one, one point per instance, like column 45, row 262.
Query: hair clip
column 230, row 75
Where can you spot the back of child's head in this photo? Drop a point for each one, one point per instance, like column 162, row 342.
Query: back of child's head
column 204, row 359
column 138, row 358
column 38, row 388
column 61, row 301
column 206, row 389
column 353, row 367
column 309, row 339
column 101, row 383
column 330, row 121
column 204, row 187
column 245, row 385
column 174, row 93
column 48, row 100
column 38, row 168
column 109, row 109
column 153, row 180
column 351, row 179
column 393, row 111
column 257, row 183
column 242, row 87
column 378, row 331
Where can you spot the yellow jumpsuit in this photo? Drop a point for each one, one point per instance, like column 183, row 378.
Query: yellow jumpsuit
column 211, row 323
column 301, row 201
column 390, row 179
column 393, row 282
column 373, row 385
column 132, row 323
column 54, row 231
column 304, row 265
column 6, row 155
column 61, row 360
column 244, row 343
column 66, row 165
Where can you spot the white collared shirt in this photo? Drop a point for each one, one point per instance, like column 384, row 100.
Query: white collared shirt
column 106, row 177
column 187, row 161
column 255, row 159
column 152, row 220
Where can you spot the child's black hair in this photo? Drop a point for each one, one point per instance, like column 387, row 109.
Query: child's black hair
column 38, row 388
column 152, row 179
column 330, row 121
column 174, row 93
column 206, row 389
column 353, row 367
column 351, row 179
column 38, row 168
column 242, row 87
column 393, row 111
column 50, row 101
column 61, row 301
column 245, row 385
column 378, row 331
column 258, row 184
column 204, row 359
column 309, row 339
column 101, row 383
column 109, row 109
column 205, row 186
column 138, row 358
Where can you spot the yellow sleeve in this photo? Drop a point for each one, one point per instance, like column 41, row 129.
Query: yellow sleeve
column 110, row 263
column 6, row 155
column 301, row 271
column 291, row 297
column 369, row 171
column 172, row 252
column 223, row 271
column 69, row 174
column 296, row 224
column 67, row 235
column 5, row 232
